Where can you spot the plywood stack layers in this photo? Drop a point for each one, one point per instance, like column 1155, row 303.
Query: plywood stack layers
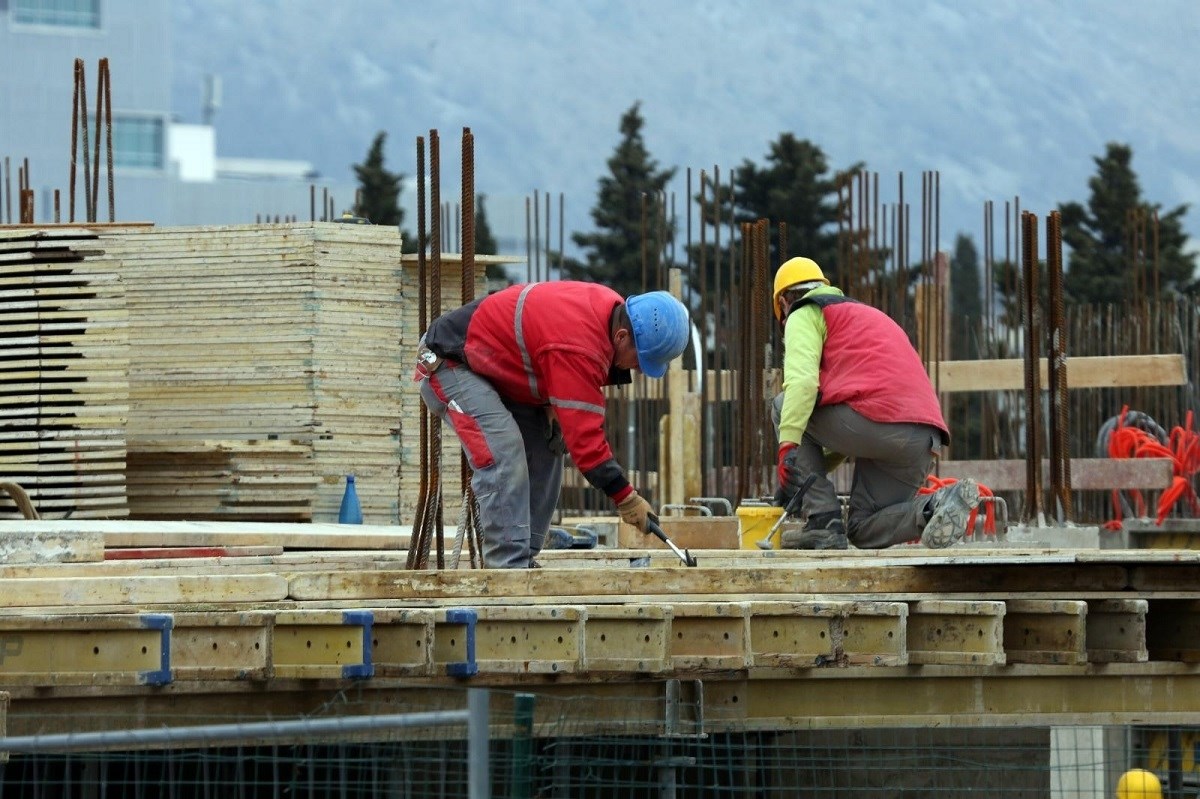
column 64, row 391
column 219, row 480
column 271, row 337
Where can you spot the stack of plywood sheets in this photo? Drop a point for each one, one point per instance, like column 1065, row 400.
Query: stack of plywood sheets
column 217, row 480
column 64, row 391
column 279, row 355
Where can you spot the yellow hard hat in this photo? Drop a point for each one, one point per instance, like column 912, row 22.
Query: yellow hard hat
column 791, row 272
column 1137, row 783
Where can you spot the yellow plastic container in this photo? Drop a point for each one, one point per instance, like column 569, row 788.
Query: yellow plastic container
column 755, row 522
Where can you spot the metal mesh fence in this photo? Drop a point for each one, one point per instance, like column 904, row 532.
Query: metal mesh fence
column 562, row 755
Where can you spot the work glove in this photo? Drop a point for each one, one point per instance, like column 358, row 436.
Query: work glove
column 787, row 471
column 554, row 433
column 635, row 510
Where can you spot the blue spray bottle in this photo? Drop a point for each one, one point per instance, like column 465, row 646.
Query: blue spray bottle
column 351, row 511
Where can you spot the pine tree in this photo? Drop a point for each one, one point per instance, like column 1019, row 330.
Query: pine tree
column 485, row 242
column 966, row 304
column 965, row 410
column 1113, row 251
column 378, row 189
column 630, row 241
column 795, row 188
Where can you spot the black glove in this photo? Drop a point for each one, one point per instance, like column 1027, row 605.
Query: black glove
column 554, row 438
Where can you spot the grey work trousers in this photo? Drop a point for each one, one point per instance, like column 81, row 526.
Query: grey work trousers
column 891, row 461
column 516, row 455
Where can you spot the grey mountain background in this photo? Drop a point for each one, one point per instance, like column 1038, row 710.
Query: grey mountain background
column 1006, row 100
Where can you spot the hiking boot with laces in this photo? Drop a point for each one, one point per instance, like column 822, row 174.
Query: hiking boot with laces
column 949, row 510
column 823, row 531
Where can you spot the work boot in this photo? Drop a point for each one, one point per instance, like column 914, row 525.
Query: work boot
column 821, row 531
column 948, row 511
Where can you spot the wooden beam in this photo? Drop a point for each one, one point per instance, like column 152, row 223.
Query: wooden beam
column 137, row 533
column 1087, row 474
column 1104, row 371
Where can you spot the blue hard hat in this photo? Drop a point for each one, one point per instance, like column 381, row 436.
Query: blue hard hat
column 660, row 330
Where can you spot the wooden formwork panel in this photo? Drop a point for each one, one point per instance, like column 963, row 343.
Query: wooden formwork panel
column 530, row 639
column 222, row 646
column 1116, row 631
column 454, row 642
column 826, row 633
column 710, row 635
column 124, row 649
column 627, row 638
column 1046, row 631
column 309, row 644
column 402, row 643
column 956, row 632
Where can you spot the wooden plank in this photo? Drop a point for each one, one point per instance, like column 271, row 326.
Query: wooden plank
column 1101, row 371
column 134, row 591
column 170, row 553
column 835, row 576
column 1086, row 473
column 138, row 533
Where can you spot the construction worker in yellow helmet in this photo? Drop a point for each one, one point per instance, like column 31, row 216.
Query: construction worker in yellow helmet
column 854, row 388
column 1137, row 783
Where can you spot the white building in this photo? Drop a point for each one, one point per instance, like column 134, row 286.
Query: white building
column 164, row 172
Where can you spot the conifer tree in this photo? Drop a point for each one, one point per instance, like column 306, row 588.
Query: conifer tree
column 378, row 189
column 965, row 410
column 1113, row 246
column 485, row 241
column 796, row 188
column 629, row 243
column 966, row 304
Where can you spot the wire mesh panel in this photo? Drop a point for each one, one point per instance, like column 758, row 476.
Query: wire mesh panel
column 582, row 754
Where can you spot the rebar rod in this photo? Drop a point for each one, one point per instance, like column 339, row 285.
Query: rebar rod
column 1060, row 449
column 1033, row 394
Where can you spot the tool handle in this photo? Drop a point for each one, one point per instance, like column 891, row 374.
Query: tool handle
column 653, row 526
column 793, row 504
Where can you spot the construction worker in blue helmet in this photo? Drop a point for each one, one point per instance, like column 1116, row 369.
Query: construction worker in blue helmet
column 519, row 376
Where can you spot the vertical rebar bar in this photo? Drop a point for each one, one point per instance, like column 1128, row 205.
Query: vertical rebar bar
column 1060, row 449
column 1033, row 393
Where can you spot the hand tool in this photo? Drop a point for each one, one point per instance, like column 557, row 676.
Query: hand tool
column 792, row 506
column 653, row 527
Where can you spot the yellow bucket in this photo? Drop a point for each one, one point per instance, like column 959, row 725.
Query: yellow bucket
column 755, row 522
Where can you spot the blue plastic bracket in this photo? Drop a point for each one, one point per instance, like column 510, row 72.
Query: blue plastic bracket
column 163, row 622
column 366, row 619
column 468, row 617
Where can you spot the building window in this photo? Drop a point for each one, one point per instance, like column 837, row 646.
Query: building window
column 137, row 142
column 62, row 13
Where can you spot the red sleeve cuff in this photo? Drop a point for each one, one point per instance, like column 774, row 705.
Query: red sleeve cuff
column 620, row 496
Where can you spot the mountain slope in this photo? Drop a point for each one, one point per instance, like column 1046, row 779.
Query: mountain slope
column 1002, row 102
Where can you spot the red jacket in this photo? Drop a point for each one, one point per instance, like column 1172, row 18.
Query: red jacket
column 869, row 364
column 546, row 344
